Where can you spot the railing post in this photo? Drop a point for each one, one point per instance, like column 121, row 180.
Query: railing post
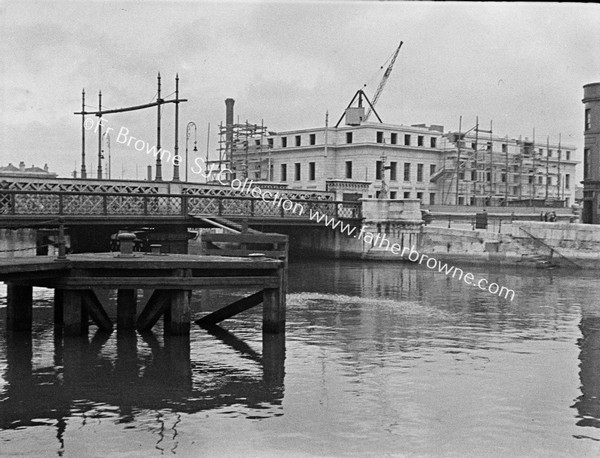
column 183, row 205
column 220, row 206
column 145, row 201
column 105, row 204
column 13, row 204
column 60, row 204
column 252, row 207
column 62, row 249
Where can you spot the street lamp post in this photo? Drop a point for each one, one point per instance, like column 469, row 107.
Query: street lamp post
column 187, row 137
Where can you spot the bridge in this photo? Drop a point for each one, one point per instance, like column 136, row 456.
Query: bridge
column 92, row 210
column 84, row 202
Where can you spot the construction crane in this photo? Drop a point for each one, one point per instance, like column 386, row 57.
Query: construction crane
column 386, row 75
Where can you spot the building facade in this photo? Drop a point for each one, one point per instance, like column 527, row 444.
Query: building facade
column 372, row 159
column 591, row 154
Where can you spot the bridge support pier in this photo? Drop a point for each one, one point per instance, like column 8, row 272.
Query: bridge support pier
column 19, row 307
column 126, row 308
column 75, row 317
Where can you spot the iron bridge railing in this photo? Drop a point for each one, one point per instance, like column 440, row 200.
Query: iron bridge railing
column 110, row 204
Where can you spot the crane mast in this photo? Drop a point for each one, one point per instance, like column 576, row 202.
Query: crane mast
column 386, row 75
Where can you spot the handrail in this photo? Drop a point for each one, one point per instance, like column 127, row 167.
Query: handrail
column 552, row 249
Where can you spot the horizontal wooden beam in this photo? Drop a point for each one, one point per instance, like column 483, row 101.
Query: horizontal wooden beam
column 161, row 282
column 245, row 238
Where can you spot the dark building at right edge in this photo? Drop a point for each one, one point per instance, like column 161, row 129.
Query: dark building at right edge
column 591, row 154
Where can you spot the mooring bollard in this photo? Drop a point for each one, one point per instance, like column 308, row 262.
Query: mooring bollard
column 125, row 244
column 155, row 248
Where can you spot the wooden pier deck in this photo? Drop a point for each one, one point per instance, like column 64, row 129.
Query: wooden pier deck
column 172, row 278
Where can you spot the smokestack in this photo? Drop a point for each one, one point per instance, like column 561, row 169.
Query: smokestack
column 228, row 128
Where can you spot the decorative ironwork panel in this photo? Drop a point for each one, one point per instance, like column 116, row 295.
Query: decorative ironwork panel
column 125, row 205
column 235, row 207
column 349, row 210
column 36, row 204
column 262, row 208
column 83, row 204
column 202, row 206
column 164, row 205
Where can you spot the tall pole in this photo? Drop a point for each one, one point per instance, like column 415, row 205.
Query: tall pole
column 534, row 162
column 547, row 163
column 458, row 158
column 491, row 165
column 559, row 178
column 506, row 176
column 100, row 135
column 207, row 142
column 476, row 184
column 83, row 171
column 176, row 161
column 158, row 176
column 107, row 137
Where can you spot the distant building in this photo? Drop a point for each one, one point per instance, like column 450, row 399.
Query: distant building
column 591, row 154
column 372, row 159
column 26, row 172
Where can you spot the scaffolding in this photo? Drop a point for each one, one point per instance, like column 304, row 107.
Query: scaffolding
column 477, row 172
column 242, row 149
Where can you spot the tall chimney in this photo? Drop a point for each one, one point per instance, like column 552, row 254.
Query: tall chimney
column 228, row 129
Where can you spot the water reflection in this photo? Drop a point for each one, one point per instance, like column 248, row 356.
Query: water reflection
column 122, row 374
column 588, row 404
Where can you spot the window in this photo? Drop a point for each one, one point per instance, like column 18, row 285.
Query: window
column 431, row 170
column 348, row 169
column 393, row 171
column 433, row 142
column 419, row 172
column 473, row 175
column 432, row 198
column 348, row 137
column 312, row 171
column 541, row 151
column 379, row 137
column 298, row 140
column 393, row 194
column 297, row 170
column 270, row 142
column 568, row 155
column 420, row 195
column 474, row 145
column 588, row 119
column 283, row 176
column 549, row 153
column 394, row 139
column 407, row 195
column 257, row 142
column 504, row 147
column 407, row 140
column 488, row 176
column 540, row 180
column 586, row 164
column 567, row 181
column 489, row 146
column 420, row 140
column 406, row 171
column 378, row 166
column 549, row 181
column 284, row 142
column 313, row 139
column 503, row 178
column 530, row 179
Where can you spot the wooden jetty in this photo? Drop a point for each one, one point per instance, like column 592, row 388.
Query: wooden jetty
column 171, row 277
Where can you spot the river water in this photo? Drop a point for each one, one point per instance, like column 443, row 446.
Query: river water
column 379, row 359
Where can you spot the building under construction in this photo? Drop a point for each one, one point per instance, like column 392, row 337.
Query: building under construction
column 242, row 147
column 482, row 169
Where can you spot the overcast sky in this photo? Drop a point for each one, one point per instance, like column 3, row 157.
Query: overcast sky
column 286, row 63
